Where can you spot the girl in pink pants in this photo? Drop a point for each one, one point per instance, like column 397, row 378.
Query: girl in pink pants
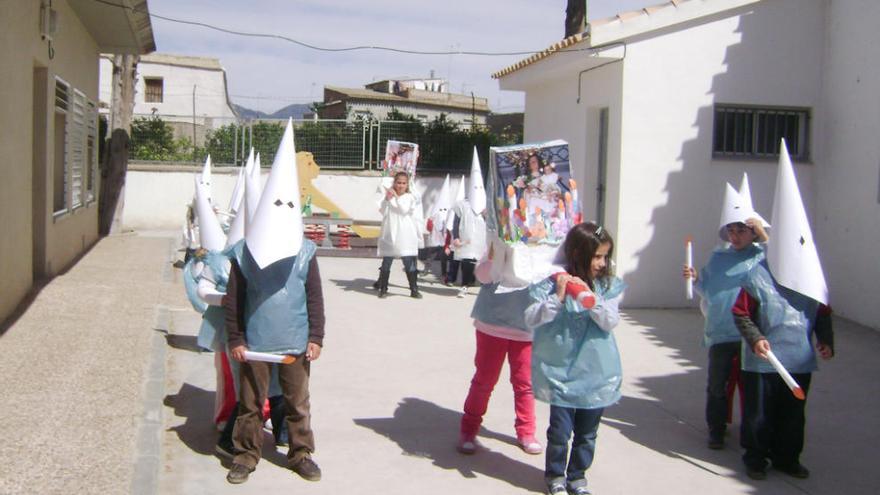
column 501, row 333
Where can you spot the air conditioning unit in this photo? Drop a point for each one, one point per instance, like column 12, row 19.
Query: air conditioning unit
column 48, row 21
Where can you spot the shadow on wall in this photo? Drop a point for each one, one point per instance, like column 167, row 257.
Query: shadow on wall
column 421, row 429
column 842, row 428
column 695, row 192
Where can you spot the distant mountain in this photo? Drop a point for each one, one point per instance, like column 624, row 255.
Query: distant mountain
column 296, row 111
column 247, row 113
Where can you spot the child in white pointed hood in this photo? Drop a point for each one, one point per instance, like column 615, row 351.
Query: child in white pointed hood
column 718, row 285
column 781, row 306
column 469, row 226
column 274, row 304
column 400, row 235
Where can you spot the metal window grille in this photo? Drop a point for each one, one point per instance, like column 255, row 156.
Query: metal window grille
column 153, row 89
column 755, row 132
column 91, row 162
column 76, row 139
column 61, row 146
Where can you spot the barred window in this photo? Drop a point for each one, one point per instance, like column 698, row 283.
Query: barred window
column 91, row 162
column 75, row 140
column 59, row 165
column 153, row 87
column 751, row 132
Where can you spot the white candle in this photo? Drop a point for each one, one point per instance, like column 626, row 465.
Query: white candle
column 269, row 358
column 786, row 376
column 689, row 261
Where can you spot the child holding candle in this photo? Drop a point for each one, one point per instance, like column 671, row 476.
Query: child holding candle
column 575, row 361
column 718, row 285
column 782, row 304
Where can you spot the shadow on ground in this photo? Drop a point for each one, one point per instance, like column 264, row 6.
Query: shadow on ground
column 407, row 428
column 183, row 342
column 365, row 286
column 198, row 433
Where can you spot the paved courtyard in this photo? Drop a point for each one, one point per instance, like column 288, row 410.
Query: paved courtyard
column 110, row 363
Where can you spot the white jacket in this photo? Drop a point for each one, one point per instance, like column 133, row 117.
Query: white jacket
column 401, row 233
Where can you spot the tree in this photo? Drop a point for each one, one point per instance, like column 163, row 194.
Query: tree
column 151, row 139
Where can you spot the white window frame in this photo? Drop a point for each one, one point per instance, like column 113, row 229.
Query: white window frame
column 79, row 171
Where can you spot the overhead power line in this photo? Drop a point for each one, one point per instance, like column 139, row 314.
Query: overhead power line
column 327, row 49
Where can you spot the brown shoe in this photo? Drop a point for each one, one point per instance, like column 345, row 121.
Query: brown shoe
column 238, row 474
column 307, row 469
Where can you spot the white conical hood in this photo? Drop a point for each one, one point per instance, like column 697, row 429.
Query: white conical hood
column 238, row 190
column 276, row 231
column 476, row 194
column 253, row 188
column 746, row 192
column 210, row 234
column 237, row 226
column 791, row 251
column 459, row 197
column 206, row 172
column 735, row 209
column 444, row 201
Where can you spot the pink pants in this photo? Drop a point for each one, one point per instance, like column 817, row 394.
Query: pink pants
column 489, row 359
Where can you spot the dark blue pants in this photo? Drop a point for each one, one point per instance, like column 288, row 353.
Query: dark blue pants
column 721, row 358
column 579, row 426
column 773, row 419
column 409, row 263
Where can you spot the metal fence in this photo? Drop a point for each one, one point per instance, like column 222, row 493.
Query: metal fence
column 335, row 144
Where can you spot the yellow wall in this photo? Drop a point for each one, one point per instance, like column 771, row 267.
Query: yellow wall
column 21, row 198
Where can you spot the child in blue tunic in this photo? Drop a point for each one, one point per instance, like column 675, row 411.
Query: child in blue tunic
column 575, row 362
column 718, row 284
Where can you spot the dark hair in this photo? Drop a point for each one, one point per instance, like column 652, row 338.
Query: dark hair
column 525, row 166
column 398, row 174
column 581, row 244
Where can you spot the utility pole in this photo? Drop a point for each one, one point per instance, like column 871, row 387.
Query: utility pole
column 194, row 124
column 575, row 17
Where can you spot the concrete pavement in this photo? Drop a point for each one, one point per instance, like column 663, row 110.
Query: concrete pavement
column 129, row 406
column 388, row 388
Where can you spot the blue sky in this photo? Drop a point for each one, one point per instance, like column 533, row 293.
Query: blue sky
column 267, row 74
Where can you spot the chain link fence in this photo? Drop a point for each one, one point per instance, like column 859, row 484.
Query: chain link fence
column 445, row 146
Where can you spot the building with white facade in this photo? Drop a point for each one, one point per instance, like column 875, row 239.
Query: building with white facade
column 424, row 99
column 49, row 137
column 180, row 89
column 664, row 105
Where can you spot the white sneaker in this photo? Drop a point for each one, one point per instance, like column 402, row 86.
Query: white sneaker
column 462, row 292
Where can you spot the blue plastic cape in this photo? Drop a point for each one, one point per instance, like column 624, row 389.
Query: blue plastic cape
column 503, row 309
column 719, row 283
column 191, row 285
column 212, row 333
column 786, row 318
column 574, row 362
column 275, row 316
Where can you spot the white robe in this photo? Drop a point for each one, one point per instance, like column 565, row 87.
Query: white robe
column 401, row 233
column 471, row 232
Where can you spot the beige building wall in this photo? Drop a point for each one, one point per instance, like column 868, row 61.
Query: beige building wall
column 36, row 243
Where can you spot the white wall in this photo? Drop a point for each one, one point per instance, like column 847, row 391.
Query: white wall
column 848, row 179
column 671, row 186
column 156, row 197
column 553, row 112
